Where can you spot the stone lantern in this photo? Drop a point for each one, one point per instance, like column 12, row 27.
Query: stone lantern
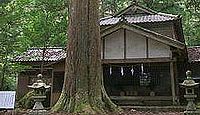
column 39, row 88
column 189, row 85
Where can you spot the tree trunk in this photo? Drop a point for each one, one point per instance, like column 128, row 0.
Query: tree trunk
column 83, row 89
column 2, row 78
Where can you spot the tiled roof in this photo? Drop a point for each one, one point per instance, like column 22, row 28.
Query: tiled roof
column 194, row 53
column 36, row 54
column 138, row 19
column 56, row 54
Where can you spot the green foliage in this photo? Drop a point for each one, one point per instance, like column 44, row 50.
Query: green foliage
column 37, row 22
column 26, row 102
column 192, row 22
column 25, row 24
column 8, row 48
column 42, row 22
column 110, row 7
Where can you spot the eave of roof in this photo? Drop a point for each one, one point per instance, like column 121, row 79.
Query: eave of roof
column 51, row 54
column 144, row 32
column 149, row 15
column 136, row 19
column 193, row 53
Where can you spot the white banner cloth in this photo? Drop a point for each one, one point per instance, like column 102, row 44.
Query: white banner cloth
column 7, row 99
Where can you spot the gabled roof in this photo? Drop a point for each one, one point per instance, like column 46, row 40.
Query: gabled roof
column 135, row 9
column 136, row 19
column 194, row 53
column 138, row 14
column 36, row 54
column 144, row 32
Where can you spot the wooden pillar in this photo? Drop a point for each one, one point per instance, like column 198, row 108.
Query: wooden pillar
column 125, row 44
column 176, row 81
column 173, row 82
column 103, row 52
column 52, row 76
column 147, row 47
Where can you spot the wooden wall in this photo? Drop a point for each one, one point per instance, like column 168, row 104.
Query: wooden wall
column 125, row 44
column 114, row 45
column 22, row 87
column 136, row 46
column 50, row 74
column 157, row 49
column 165, row 28
column 59, row 66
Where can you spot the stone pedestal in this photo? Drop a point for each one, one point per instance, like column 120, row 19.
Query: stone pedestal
column 39, row 88
column 38, row 108
column 189, row 85
column 38, row 102
column 197, row 112
column 37, row 112
column 190, row 106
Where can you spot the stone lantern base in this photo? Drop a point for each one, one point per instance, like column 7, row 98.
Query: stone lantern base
column 37, row 112
column 38, row 102
column 38, row 108
column 197, row 112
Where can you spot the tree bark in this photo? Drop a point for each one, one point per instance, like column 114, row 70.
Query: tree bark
column 83, row 90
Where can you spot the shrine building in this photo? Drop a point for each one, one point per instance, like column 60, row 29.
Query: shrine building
column 143, row 55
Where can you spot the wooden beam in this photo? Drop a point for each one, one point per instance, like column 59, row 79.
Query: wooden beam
column 137, row 60
column 103, row 48
column 144, row 32
column 108, row 31
column 173, row 33
column 156, row 36
column 141, row 98
column 52, row 77
column 124, row 43
column 172, row 83
column 176, row 80
column 147, row 47
column 35, row 69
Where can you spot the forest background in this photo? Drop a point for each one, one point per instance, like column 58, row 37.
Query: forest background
column 39, row 23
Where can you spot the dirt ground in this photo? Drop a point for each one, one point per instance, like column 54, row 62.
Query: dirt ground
column 131, row 112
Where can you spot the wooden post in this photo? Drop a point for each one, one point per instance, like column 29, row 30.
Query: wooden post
column 176, row 80
column 147, row 47
column 125, row 44
column 103, row 48
column 172, row 83
column 52, row 76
